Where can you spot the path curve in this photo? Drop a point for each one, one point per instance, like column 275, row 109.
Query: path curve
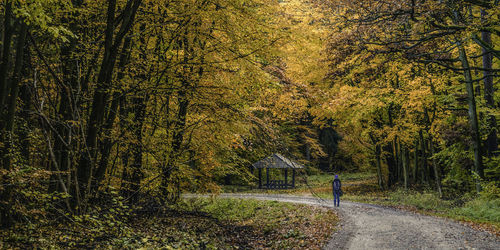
column 364, row 226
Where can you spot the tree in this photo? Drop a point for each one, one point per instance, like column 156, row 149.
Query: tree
column 419, row 31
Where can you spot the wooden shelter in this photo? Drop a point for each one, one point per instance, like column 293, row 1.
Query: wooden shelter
column 281, row 162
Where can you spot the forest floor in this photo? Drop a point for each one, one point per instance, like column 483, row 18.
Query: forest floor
column 366, row 226
column 197, row 223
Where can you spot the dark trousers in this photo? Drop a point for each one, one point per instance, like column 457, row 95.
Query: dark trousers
column 336, row 198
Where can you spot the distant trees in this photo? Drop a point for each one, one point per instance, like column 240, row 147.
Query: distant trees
column 398, row 65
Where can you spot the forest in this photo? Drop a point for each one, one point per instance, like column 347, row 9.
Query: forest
column 113, row 108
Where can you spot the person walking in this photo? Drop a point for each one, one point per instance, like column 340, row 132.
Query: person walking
column 337, row 190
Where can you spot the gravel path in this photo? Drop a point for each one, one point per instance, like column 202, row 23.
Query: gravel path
column 365, row 226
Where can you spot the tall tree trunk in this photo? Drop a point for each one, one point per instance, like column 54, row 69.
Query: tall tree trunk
column 8, row 31
column 474, row 123
column 473, row 120
column 492, row 140
column 308, row 152
column 178, row 138
column 101, row 95
column 27, row 121
column 137, row 173
column 66, row 112
column 392, row 156
column 401, row 176
column 125, row 154
column 408, row 166
column 397, row 155
column 378, row 160
column 134, row 177
column 63, row 138
column 107, row 142
column 423, row 157
column 189, row 82
column 405, row 166
column 14, row 92
column 6, row 132
column 98, row 105
column 435, row 167
column 415, row 158
column 391, row 163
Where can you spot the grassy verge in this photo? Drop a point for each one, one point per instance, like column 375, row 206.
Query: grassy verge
column 479, row 212
column 201, row 223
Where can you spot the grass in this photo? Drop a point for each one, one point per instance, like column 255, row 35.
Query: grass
column 274, row 224
column 479, row 212
column 200, row 223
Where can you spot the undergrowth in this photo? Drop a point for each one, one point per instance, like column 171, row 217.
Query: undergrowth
column 201, row 223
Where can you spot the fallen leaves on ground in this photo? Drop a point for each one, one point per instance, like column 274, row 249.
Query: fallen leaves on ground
column 208, row 224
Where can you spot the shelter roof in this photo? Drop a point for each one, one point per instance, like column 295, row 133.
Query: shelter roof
column 277, row 161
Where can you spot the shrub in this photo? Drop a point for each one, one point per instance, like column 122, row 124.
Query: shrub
column 426, row 200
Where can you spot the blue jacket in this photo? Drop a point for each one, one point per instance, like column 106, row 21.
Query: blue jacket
column 339, row 185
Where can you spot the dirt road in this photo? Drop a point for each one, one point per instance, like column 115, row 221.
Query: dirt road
column 365, row 226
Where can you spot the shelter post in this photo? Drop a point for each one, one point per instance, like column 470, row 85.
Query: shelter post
column 293, row 177
column 286, row 178
column 260, row 177
column 267, row 177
